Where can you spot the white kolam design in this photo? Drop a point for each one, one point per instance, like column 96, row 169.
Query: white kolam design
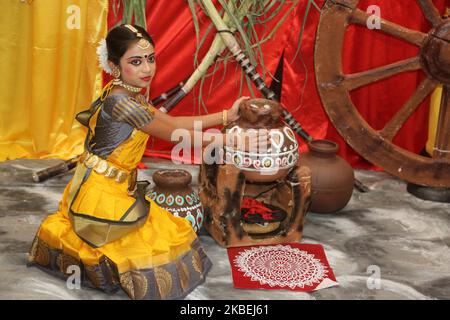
column 281, row 265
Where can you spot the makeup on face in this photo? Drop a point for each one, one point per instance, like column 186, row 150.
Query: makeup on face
column 138, row 66
column 137, row 60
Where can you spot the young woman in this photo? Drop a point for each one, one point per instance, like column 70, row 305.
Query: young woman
column 105, row 227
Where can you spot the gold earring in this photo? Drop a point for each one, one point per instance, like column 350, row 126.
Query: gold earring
column 116, row 73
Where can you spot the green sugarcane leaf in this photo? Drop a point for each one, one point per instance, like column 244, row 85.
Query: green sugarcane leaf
column 133, row 12
column 127, row 12
column 316, row 6
column 262, row 7
column 225, row 63
column 202, row 40
column 191, row 4
column 115, row 5
column 244, row 20
column 274, row 13
column 118, row 5
column 300, row 37
column 275, row 28
column 216, row 67
column 199, row 45
column 139, row 13
column 258, row 46
column 280, row 22
column 200, row 97
column 237, row 24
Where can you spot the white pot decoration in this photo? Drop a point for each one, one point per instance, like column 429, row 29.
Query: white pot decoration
column 264, row 163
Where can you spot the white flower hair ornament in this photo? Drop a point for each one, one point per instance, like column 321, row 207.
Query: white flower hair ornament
column 102, row 55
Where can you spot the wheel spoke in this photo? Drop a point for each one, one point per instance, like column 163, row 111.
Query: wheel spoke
column 351, row 4
column 396, row 123
column 337, row 102
column 415, row 37
column 431, row 12
column 356, row 80
column 442, row 144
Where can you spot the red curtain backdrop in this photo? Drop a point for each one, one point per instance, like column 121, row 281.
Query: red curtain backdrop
column 171, row 26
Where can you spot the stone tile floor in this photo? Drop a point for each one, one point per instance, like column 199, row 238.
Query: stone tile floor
column 407, row 238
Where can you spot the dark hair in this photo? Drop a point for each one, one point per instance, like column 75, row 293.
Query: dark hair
column 119, row 40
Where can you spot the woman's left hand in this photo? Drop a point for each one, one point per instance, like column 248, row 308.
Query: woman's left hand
column 233, row 112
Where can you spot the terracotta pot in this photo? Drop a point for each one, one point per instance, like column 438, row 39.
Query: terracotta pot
column 332, row 178
column 269, row 163
column 173, row 193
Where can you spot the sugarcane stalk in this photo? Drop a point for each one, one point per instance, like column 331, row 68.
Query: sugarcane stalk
column 216, row 48
column 231, row 43
column 166, row 95
column 60, row 168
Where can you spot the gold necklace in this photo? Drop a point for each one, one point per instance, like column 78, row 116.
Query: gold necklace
column 131, row 88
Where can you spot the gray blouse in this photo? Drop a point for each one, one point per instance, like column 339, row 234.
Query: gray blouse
column 119, row 116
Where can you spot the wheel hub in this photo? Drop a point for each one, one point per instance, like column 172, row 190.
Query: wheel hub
column 435, row 53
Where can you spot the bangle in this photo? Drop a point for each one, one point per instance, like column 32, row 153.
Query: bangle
column 225, row 117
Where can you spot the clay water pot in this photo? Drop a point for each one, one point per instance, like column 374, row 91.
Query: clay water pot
column 173, row 193
column 264, row 163
column 332, row 178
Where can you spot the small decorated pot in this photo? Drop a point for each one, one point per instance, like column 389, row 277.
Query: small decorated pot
column 264, row 163
column 173, row 193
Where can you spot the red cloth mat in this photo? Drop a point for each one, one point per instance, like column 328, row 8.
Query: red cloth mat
column 291, row 266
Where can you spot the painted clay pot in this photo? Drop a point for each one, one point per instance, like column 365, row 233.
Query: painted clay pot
column 173, row 193
column 332, row 178
column 264, row 163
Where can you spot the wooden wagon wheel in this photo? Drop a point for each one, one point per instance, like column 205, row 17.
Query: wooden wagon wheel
column 334, row 87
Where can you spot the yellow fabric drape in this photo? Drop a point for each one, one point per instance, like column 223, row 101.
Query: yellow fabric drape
column 435, row 105
column 49, row 73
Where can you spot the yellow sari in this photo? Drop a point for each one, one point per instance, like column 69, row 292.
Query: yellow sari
column 159, row 257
